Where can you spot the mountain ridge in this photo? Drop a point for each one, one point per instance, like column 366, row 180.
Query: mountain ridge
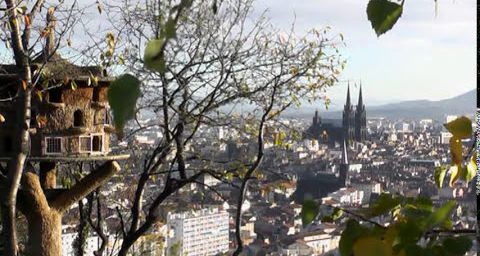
column 463, row 104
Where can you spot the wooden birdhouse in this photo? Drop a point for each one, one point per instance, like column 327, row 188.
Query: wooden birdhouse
column 70, row 115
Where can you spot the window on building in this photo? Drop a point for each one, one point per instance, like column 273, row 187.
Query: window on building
column 107, row 117
column 97, row 143
column 102, row 117
column 53, row 145
column 55, row 95
column 78, row 118
column 85, row 144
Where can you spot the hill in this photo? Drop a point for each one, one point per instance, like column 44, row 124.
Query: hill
column 463, row 104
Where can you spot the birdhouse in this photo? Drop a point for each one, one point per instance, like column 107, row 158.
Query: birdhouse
column 70, row 115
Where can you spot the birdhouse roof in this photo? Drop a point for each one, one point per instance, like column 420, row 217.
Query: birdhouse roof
column 57, row 68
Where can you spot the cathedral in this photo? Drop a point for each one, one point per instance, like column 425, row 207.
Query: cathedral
column 353, row 126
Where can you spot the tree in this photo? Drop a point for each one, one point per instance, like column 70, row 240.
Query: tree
column 35, row 195
column 193, row 66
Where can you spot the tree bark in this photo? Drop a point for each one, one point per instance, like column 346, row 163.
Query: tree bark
column 22, row 137
column 44, row 216
column 45, row 233
column 48, row 175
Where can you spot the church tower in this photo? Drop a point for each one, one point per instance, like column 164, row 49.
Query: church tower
column 348, row 120
column 344, row 166
column 316, row 119
column 360, row 119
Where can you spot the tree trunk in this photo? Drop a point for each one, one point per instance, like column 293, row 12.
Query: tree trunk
column 44, row 215
column 45, row 233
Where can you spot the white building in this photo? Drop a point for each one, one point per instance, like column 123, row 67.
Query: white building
column 451, row 118
column 445, row 137
column 347, row 196
column 203, row 232
column 92, row 244
column 368, row 189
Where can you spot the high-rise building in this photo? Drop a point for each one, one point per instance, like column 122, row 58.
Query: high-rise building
column 202, row 232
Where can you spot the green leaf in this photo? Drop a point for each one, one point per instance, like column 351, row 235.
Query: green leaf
column 460, row 127
column 352, row 232
column 440, row 215
column 153, row 56
column 336, row 214
column 439, row 175
column 383, row 204
column 409, row 232
column 369, row 246
column 457, row 245
column 309, row 211
column 383, row 14
column 214, row 7
column 122, row 97
column 415, row 250
column 229, row 176
column 170, row 29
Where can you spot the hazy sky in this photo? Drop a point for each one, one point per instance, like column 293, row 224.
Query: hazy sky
column 423, row 57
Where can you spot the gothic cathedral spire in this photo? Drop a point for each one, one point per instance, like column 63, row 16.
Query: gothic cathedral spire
column 348, row 120
column 344, row 166
column 360, row 100
column 348, row 96
column 360, row 119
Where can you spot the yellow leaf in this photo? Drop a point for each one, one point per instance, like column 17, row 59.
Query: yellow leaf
column 45, row 32
column 66, row 79
column 27, row 20
column 456, row 150
column 41, row 121
column 94, row 80
column 471, row 169
column 455, row 172
column 2, row 119
column 24, row 85
column 39, row 95
column 460, row 127
column 51, row 10
column 371, row 246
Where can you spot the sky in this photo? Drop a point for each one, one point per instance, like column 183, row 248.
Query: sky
column 424, row 56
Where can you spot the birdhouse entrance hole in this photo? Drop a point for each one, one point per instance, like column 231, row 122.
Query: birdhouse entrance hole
column 78, row 118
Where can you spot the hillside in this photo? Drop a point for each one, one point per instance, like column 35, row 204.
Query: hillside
column 414, row 109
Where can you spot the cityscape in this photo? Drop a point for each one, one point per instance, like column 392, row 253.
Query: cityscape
column 214, row 128
column 392, row 156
